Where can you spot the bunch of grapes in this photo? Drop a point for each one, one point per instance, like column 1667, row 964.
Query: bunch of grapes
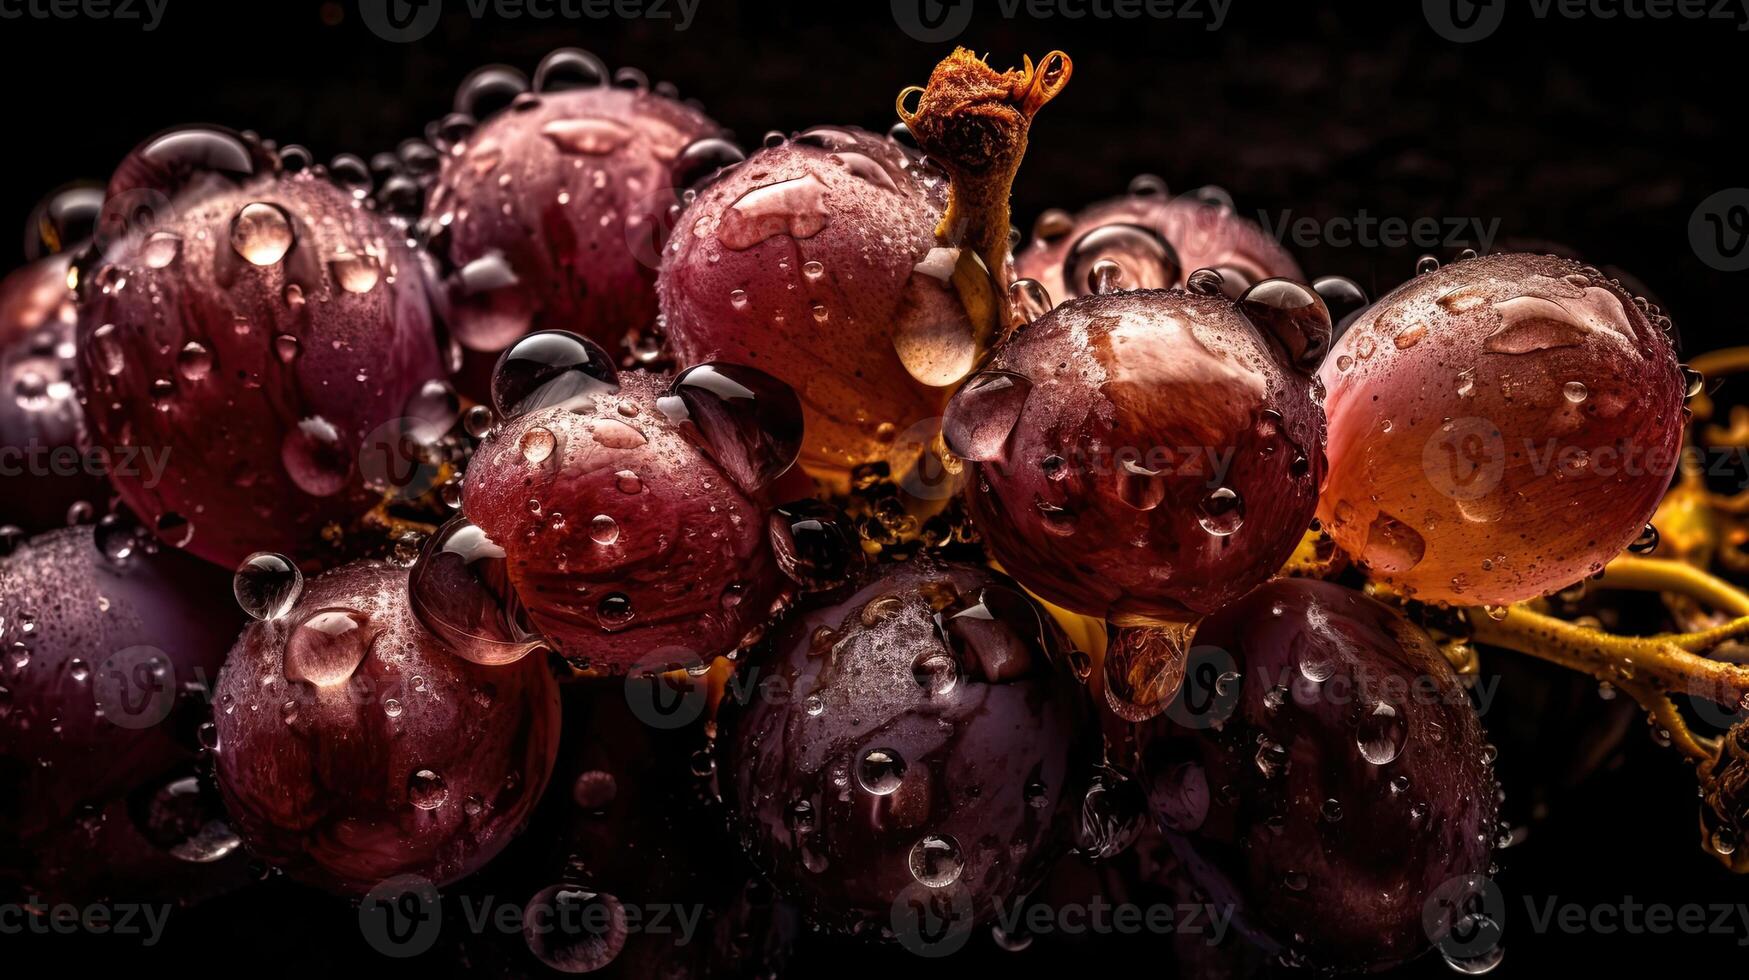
column 774, row 530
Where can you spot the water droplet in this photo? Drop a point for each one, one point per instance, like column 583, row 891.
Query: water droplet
column 795, row 207
column 603, row 530
column 426, row 789
column 267, row 585
column 460, row 590
column 261, row 234
column 936, row 861
column 315, row 458
column 1222, row 512
column 551, row 369
column 983, row 413
column 1142, row 258
column 537, row 444
column 1383, row 732
column 880, row 771
column 327, row 646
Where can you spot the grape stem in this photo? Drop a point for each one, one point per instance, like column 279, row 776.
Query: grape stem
column 1650, row 668
column 973, row 121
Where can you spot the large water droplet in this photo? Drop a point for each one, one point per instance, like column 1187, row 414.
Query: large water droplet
column 936, row 861
column 327, row 646
column 315, row 457
column 267, row 585
column 750, row 422
column 551, row 369
column 1145, row 259
column 261, row 233
column 983, row 413
column 460, row 590
column 795, row 207
column 880, row 771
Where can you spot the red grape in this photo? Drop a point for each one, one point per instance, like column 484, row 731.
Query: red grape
column 353, row 747
column 1499, row 429
column 1147, row 455
column 817, row 260
column 45, row 468
column 1328, row 777
column 101, row 642
column 929, row 737
column 553, row 212
column 1157, row 240
column 264, row 337
column 627, row 507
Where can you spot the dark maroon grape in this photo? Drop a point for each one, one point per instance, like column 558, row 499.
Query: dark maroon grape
column 259, row 340
column 626, row 867
column 927, row 740
column 1147, row 454
column 552, row 214
column 353, row 747
column 627, row 507
column 45, row 466
column 105, row 651
column 1327, row 776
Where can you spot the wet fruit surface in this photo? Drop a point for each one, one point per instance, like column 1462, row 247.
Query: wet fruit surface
column 45, row 468
column 106, row 651
column 1157, row 239
column 1145, row 455
column 1499, row 428
column 353, row 747
column 552, row 213
column 626, row 505
column 929, row 744
column 817, row 260
column 1332, row 780
column 260, row 339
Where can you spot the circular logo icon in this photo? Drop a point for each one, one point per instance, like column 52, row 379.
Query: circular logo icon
column 658, row 697
column 1719, row 230
column 135, row 687
column 1463, row 21
column 401, row 916
column 400, row 21
column 648, row 223
column 1464, row 917
column 933, row 922
column 932, row 21
column 129, row 213
column 1465, row 459
column 391, row 461
column 927, row 473
column 1210, row 691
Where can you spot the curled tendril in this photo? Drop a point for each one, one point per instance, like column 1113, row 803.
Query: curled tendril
column 973, row 121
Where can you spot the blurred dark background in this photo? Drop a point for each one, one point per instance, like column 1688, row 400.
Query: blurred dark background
column 1596, row 135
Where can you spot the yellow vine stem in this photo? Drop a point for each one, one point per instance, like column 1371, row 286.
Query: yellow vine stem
column 1649, row 668
column 1661, row 575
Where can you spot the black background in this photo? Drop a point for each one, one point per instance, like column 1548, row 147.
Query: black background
column 1598, row 135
